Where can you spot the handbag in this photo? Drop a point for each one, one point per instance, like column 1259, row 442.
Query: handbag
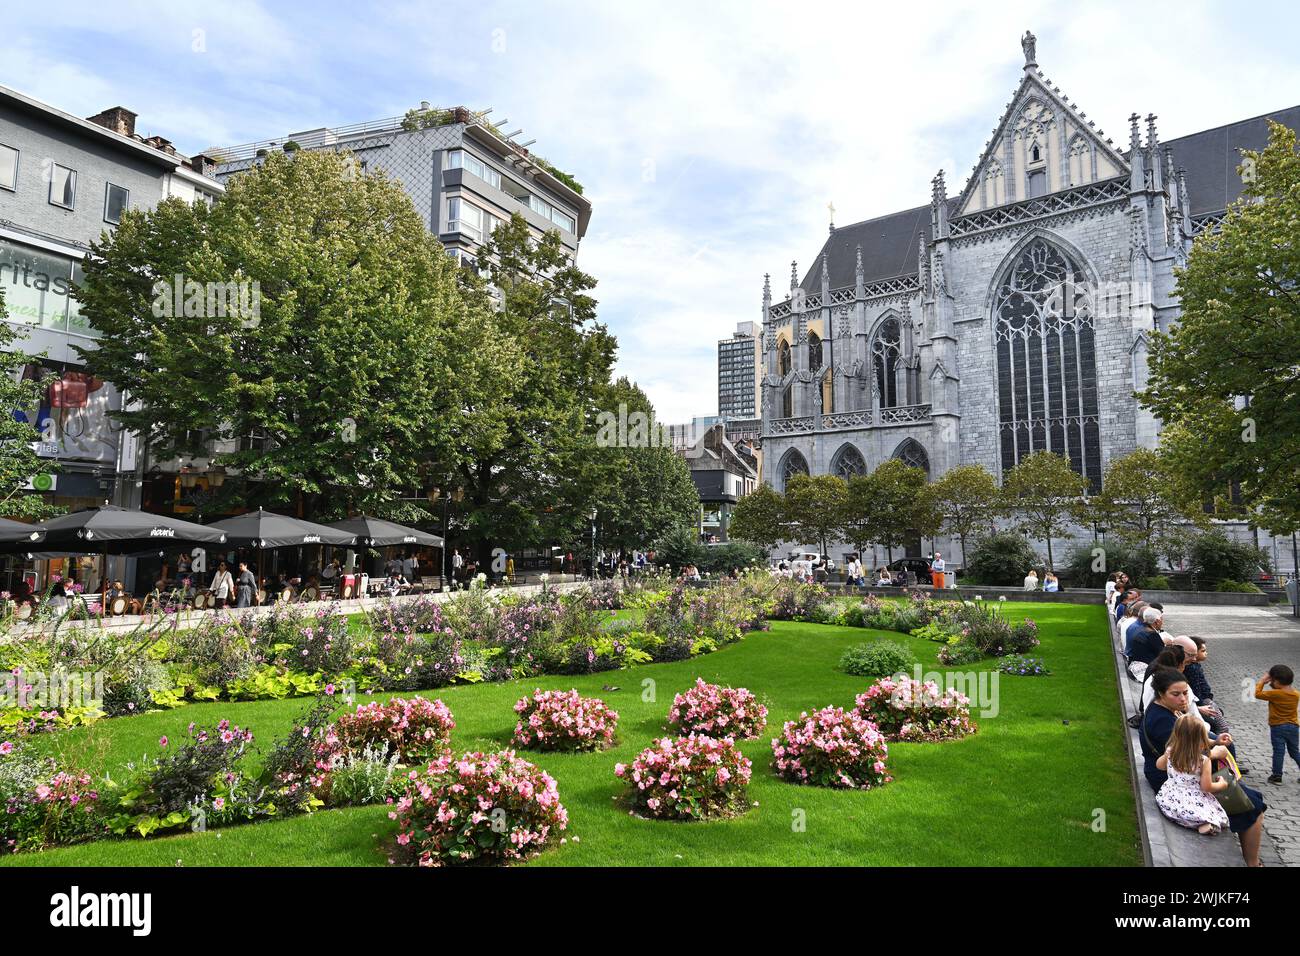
column 1233, row 798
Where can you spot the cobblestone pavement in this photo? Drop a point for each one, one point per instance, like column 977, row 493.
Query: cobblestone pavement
column 1244, row 642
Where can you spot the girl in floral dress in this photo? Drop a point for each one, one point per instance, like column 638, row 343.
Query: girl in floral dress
column 1187, row 797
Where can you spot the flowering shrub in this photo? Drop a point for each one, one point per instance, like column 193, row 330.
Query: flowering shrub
column 1022, row 666
column 906, row 709
column 562, row 720
column 488, row 808
column 296, row 772
column 606, row 594
column 877, row 659
column 959, row 653
column 524, row 634
column 414, row 729
column 196, row 780
column 1024, row 637
column 717, row 712
column 688, row 778
column 832, row 748
column 793, row 600
column 216, row 652
column 307, row 642
column 40, row 805
column 414, row 649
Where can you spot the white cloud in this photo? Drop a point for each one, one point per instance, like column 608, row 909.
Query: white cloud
column 710, row 136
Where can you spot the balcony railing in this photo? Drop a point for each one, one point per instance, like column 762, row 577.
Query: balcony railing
column 858, row 419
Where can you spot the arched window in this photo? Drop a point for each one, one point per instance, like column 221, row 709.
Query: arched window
column 848, row 462
column 787, row 402
column 912, row 454
column 782, row 358
column 1047, row 370
column 793, row 464
column 814, row 351
column 886, row 361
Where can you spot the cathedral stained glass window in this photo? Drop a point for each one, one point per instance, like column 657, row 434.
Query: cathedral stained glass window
column 1047, row 371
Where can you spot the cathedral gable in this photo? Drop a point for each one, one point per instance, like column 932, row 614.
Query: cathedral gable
column 1042, row 144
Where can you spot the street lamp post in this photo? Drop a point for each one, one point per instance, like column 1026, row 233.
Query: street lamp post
column 593, row 544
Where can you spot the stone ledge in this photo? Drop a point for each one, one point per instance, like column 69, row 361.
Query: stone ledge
column 1165, row 843
column 1068, row 596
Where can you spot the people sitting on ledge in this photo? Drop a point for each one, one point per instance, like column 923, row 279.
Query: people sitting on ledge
column 1144, row 641
column 1050, row 583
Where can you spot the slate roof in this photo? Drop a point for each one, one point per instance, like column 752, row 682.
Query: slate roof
column 889, row 242
column 1211, row 157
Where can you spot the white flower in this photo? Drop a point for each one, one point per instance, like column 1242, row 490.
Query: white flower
column 545, row 577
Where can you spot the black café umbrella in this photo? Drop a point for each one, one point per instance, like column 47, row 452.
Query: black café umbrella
column 12, row 532
column 108, row 530
column 265, row 530
column 377, row 533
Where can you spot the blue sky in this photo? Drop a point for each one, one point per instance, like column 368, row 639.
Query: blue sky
column 710, row 136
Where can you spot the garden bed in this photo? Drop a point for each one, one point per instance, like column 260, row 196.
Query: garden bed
column 1013, row 794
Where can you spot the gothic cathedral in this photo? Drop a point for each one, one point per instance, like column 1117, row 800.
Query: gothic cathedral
column 1010, row 318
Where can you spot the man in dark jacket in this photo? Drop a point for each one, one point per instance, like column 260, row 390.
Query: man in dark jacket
column 1144, row 640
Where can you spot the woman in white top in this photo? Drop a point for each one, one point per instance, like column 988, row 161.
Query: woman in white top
column 1031, row 580
column 223, row 585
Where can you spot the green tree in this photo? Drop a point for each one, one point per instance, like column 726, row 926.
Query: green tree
column 642, row 488
column 967, row 499
column 19, row 462
column 760, row 518
column 1225, row 376
column 332, row 377
column 814, row 507
column 1044, row 496
column 1146, row 498
column 902, row 503
column 520, row 445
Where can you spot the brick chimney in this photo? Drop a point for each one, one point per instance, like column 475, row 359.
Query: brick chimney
column 118, row 118
column 161, row 144
column 203, row 164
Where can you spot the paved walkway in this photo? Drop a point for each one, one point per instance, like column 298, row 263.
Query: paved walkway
column 1244, row 642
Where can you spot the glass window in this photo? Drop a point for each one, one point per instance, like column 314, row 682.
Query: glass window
column 1047, row 368
column 36, row 285
column 115, row 199
column 8, row 167
column 63, row 186
column 563, row 221
column 459, row 159
column 464, row 218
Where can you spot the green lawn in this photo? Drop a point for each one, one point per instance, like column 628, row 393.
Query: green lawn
column 1025, row 790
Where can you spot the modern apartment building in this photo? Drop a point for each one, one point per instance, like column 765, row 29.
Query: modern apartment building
column 739, row 373
column 465, row 175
